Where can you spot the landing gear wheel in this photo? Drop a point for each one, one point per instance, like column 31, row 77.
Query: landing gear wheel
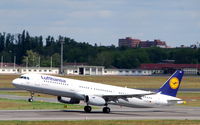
column 30, row 99
column 106, row 110
column 87, row 109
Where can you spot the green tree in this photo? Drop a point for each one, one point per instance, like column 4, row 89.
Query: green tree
column 186, row 55
column 56, row 60
column 2, row 40
column 104, row 59
column 156, row 54
column 32, row 58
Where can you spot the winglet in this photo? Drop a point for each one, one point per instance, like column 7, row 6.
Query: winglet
column 171, row 86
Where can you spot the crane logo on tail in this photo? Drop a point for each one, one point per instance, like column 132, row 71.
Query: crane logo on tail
column 174, row 83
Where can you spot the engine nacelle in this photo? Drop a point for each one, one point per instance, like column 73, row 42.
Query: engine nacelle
column 95, row 100
column 68, row 100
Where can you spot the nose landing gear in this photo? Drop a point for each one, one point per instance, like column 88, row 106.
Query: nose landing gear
column 31, row 98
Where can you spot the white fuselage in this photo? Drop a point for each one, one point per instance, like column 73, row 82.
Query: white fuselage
column 78, row 89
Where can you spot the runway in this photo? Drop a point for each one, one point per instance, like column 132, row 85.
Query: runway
column 175, row 112
column 117, row 112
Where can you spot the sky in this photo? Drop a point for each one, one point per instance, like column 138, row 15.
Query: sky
column 105, row 21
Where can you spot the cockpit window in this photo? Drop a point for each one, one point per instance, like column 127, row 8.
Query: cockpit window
column 24, row 77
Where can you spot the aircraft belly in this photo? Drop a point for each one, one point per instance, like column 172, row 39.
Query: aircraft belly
column 135, row 103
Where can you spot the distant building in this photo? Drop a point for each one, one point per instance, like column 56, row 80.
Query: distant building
column 194, row 46
column 165, row 68
column 129, row 42
column 127, row 72
column 70, row 69
column 134, row 43
column 41, row 70
column 23, row 70
column 83, row 70
column 155, row 43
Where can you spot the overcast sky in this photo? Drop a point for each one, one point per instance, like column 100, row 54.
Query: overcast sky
column 105, row 21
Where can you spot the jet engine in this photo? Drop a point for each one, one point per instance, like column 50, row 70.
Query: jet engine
column 68, row 100
column 95, row 100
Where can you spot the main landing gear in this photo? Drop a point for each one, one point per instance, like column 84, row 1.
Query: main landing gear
column 31, row 98
column 88, row 109
column 106, row 110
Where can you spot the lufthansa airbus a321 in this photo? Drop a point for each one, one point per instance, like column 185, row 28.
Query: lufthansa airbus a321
column 72, row 91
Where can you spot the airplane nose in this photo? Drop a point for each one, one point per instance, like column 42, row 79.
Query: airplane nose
column 15, row 82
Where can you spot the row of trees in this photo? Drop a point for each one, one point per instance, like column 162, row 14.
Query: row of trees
column 38, row 49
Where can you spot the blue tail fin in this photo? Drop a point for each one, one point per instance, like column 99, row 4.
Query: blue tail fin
column 171, row 86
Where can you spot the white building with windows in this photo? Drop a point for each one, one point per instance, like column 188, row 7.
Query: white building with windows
column 42, row 70
column 8, row 70
column 23, row 70
column 75, row 70
column 100, row 70
column 127, row 72
column 84, row 70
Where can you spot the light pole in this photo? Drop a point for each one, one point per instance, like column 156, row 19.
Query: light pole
column 1, row 62
column 39, row 62
column 14, row 61
column 26, row 62
column 197, row 48
column 61, row 55
column 51, row 62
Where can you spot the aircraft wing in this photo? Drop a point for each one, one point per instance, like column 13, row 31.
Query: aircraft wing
column 115, row 97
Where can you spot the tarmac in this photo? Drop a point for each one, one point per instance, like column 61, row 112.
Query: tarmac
column 117, row 113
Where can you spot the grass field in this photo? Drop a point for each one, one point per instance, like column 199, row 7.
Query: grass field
column 192, row 99
column 5, row 80
column 105, row 122
column 8, row 104
column 128, row 81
